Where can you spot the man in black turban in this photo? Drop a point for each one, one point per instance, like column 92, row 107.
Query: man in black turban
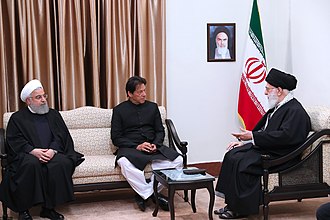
column 278, row 78
column 222, row 44
column 280, row 131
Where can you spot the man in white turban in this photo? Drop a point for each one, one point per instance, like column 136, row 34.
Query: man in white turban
column 29, row 88
column 41, row 157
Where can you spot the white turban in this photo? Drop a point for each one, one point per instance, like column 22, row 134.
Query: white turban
column 29, row 88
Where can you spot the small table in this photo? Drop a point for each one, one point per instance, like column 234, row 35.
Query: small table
column 175, row 179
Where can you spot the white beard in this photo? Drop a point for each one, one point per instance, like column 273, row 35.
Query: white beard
column 43, row 109
column 272, row 100
column 222, row 50
column 222, row 53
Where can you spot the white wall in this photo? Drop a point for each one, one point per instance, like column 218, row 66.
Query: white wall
column 202, row 96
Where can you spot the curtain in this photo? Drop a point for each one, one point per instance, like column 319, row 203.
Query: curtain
column 83, row 51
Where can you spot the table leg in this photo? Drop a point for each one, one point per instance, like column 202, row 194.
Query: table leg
column 185, row 195
column 212, row 198
column 193, row 196
column 171, row 202
column 156, row 197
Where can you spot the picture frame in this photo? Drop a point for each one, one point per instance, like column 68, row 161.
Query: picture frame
column 221, row 42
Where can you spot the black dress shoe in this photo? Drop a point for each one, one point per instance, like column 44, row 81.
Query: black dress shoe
column 140, row 202
column 162, row 201
column 51, row 214
column 24, row 215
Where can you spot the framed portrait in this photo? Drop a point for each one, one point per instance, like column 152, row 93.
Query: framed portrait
column 221, row 39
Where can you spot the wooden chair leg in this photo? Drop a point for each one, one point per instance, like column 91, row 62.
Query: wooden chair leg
column 266, row 211
column 4, row 212
column 265, row 192
column 185, row 195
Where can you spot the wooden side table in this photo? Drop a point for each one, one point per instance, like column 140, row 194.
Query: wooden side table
column 174, row 179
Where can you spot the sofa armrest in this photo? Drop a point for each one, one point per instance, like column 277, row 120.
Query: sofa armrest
column 175, row 142
column 3, row 154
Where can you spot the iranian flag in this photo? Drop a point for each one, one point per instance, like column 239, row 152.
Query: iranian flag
column 252, row 102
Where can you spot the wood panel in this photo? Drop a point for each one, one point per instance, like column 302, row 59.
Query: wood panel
column 212, row 168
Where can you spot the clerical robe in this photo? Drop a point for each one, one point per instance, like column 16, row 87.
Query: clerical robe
column 240, row 176
column 27, row 181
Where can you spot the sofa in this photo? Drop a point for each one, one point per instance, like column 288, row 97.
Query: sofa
column 90, row 130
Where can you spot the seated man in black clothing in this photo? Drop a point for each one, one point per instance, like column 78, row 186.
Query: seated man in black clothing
column 137, row 131
column 323, row 212
column 280, row 131
column 41, row 157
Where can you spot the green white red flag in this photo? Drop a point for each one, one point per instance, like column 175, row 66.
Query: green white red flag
column 252, row 102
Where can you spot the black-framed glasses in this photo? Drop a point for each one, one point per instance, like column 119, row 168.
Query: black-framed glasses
column 39, row 97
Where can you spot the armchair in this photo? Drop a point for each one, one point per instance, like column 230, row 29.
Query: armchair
column 304, row 179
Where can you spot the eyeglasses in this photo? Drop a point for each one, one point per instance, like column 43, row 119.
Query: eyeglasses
column 39, row 97
column 269, row 89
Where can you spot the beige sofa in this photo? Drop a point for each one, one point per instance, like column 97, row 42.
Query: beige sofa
column 90, row 129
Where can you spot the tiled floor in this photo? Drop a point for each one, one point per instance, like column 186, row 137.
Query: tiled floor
column 119, row 204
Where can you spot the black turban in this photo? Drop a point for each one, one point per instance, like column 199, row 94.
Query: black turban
column 221, row 29
column 278, row 78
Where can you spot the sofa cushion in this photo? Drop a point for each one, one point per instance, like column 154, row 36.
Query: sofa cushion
column 101, row 168
column 320, row 117
column 87, row 117
column 100, row 165
column 92, row 141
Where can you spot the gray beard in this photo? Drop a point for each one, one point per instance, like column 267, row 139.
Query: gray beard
column 43, row 109
column 272, row 101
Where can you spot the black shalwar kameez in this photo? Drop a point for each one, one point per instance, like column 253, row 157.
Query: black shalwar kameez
column 132, row 125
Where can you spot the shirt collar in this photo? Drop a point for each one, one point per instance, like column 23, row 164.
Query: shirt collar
column 287, row 98
column 31, row 110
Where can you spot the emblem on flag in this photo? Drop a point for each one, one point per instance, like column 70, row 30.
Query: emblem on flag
column 255, row 70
